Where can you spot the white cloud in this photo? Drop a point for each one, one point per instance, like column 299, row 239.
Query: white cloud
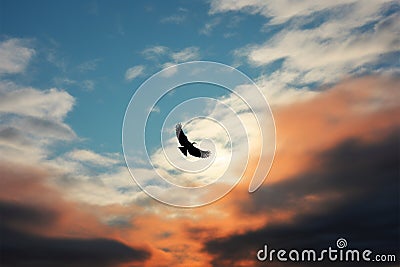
column 324, row 54
column 352, row 35
column 169, row 69
column 92, row 157
column 189, row 53
column 51, row 104
column 80, row 183
column 31, row 120
column 281, row 11
column 278, row 91
column 134, row 72
column 153, row 52
column 15, row 55
column 159, row 52
column 323, row 47
column 15, row 142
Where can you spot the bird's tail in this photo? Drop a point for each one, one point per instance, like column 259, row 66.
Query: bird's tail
column 184, row 150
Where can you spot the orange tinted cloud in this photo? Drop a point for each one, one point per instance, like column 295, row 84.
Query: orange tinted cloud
column 36, row 219
column 335, row 164
column 365, row 109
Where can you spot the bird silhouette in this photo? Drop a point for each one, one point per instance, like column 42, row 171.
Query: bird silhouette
column 187, row 146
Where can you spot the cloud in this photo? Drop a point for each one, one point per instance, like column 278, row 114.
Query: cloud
column 319, row 43
column 154, row 109
column 324, row 54
column 170, row 57
column 278, row 91
column 88, row 85
column 134, row 72
column 310, row 185
column 208, row 27
column 47, row 230
column 175, row 19
column 45, row 128
column 187, row 54
column 15, row 55
column 327, row 202
column 20, row 248
column 170, row 69
column 26, row 101
column 18, row 215
column 54, row 57
column 17, row 240
column 34, row 118
column 341, row 146
column 324, row 172
column 282, row 11
column 153, row 52
column 92, row 157
column 89, row 65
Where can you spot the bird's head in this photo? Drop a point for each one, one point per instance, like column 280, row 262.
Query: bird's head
column 194, row 143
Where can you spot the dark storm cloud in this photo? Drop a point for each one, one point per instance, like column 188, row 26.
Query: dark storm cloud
column 15, row 214
column 364, row 180
column 20, row 248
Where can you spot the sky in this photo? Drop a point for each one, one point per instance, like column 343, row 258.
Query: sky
column 329, row 127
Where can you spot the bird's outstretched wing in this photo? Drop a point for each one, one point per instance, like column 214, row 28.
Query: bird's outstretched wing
column 194, row 151
column 183, row 140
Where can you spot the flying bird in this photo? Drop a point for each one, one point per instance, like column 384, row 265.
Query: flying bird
column 187, row 146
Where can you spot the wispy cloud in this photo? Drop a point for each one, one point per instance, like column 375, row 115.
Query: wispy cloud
column 327, row 53
column 314, row 51
column 84, row 155
column 177, row 56
column 89, row 65
column 88, row 85
column 85, row 85
column 176, row 19
column 189, row 53
column 54, row 57
column 15, row 55
column 209, row 26
column 153, row 52
column 282, row 11
column 134, row 72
